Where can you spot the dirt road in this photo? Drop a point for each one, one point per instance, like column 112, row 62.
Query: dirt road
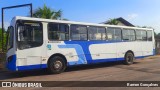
column 147, row 69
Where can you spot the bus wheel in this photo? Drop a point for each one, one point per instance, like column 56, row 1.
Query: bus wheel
column 129, row 58
column 56, row 65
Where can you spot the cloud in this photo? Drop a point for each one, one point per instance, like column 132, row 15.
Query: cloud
column 132, row 16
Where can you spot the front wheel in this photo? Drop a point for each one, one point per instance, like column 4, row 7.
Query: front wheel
column 56, row 65
column 129, row 58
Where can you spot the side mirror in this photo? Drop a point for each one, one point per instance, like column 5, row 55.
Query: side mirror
column 8, row 34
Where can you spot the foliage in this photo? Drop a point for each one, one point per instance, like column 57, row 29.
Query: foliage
column 113, row 22
column 4, row 39
column 47, row 13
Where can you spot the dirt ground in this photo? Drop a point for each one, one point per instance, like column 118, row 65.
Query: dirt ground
column 147, row 69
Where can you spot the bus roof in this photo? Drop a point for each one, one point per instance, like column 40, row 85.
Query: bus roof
column 73, row 22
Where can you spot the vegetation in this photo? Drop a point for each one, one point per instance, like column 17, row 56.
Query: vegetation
column 47, row 13
column 113, row 22
column 4, row 39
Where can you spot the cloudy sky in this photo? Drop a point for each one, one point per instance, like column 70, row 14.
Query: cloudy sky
column 138, row 12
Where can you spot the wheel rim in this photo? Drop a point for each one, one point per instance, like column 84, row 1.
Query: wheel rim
column 130, row 58
column 57, row 65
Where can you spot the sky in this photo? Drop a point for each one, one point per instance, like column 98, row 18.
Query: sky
column 137, row 12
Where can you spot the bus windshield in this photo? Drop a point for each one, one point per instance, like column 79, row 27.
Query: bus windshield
column 30, row 34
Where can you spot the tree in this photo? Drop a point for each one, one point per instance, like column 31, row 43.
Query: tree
column 4, row 39
column 113, row 22
column 47, row 13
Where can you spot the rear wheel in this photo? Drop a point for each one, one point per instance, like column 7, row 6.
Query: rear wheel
column 129, row 58
column 56, row 65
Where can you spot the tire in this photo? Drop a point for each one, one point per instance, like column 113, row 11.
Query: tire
column 56, row 65
column 129, row 58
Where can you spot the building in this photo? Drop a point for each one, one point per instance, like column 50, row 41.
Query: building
column 121, row 22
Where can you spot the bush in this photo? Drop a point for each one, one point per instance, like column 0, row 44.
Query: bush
column 4, row 39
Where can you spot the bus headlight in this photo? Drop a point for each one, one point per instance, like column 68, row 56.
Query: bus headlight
column 10, row 58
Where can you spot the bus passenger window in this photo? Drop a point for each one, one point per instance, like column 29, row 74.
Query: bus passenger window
column 92, row 31
column 138, row 35
column 58, row 31
column 101, row 33
column 126, row 34
column 110, row 33
column 78, row 32
column 144, row 35
column 132, row 35
column 97, row 33
column 141, row 35
column 114, row 34
column 149, row 35
column 118, row 34
column 129, row 35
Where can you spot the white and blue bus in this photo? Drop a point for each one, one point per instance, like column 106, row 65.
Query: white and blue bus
column 35, row 43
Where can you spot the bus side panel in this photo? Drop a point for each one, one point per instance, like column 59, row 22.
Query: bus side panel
column 98, row 51
column 134, row 46
column 73, row 52
column 147, row 48
column 103, row 51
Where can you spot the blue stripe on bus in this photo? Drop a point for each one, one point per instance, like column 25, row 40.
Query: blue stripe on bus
column 80, row 53
column 30, row 67
column 85, row 47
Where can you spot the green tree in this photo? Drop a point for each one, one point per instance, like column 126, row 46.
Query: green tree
column 4, row 39
column 47, row 13
column 113, row 21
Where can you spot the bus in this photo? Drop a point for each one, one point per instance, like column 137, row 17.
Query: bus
column 34, row 43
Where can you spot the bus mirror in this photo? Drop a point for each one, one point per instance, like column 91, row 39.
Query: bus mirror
column 7, row 33
column 10, row 29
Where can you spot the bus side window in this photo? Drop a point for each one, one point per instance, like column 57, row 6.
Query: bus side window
column 144, row 35
column 118, row 34
column 132, row 35
column 141, row 35
column 64, row 32
column 114, row 34
column 96, row 33
column 138, row 35
column 58, row 31
column 149, row 35
column 110, row 33
column 126, row 34
column 129, row 35
column 30, row 34
column 78, row 32
column 92, row 31
column 101, row 33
